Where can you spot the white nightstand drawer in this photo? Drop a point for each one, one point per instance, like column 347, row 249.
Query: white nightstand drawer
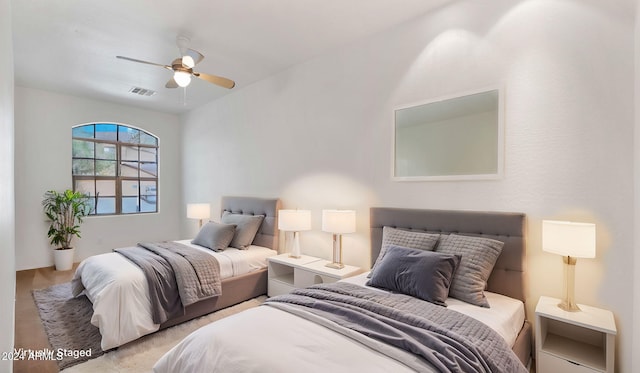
column 548, row 363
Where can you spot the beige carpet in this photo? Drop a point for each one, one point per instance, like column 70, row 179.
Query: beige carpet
column 140, row 355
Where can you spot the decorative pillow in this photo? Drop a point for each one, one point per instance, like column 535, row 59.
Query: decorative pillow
column 423, row 274
column 246, row 228
column 399, row 237
column 479, row 255
column 215, row 236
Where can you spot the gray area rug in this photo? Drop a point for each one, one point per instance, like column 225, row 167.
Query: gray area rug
column 67, row 322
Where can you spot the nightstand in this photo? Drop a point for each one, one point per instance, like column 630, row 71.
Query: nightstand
column 286, row 273
column 573, row 342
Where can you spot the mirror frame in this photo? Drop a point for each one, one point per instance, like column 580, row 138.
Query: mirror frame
column 499, row 174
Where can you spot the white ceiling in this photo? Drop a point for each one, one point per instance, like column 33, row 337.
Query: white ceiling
column 70, row 46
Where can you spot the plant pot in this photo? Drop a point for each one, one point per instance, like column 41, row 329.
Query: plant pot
column 63, row 258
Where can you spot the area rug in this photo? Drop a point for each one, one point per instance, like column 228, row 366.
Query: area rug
column 67, row 322
column 136, row 356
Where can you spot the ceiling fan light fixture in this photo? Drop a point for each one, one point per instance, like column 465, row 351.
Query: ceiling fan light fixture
column 188, row 62
column 182, row 78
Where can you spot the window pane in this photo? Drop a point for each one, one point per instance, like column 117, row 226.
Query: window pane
column 130, row 135
column 105, row 151
column 149, row 170
column 148, row 204
column 92, row 205
column 129, row 153
column 148, row 139
column 105, row 168
column 83, row 167
column 106, row 188
column 129, row 169
column 148, row 196
column 148, row 154
column 106, row 132
column 130, row 188
column 129, row 205
column 82, row 149
column 148, row 189
column 85, row 186
column 106, row 205
column 85, row 132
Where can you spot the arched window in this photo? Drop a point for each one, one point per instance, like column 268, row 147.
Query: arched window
column 117, row 166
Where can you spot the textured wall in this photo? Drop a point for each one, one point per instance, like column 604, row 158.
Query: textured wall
column 318, row 135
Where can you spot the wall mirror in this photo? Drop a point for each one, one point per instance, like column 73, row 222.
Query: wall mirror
column 453, row 138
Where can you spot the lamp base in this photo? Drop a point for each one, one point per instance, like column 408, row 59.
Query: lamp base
column 569, row 307
column 295, row 250
column 568, row 302
column 334, row 265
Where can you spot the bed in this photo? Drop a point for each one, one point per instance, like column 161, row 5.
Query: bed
column 119, row 292
column 285, row 337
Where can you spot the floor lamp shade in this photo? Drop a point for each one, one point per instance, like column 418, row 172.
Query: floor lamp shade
column 294, row 221
column 571, row 240
column 338, row 222
column 199, row 211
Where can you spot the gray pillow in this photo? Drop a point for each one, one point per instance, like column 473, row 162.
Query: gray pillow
column 423, row 274
column 215, row 236
column 479, row 255
column 246, row 228
column 399, row 237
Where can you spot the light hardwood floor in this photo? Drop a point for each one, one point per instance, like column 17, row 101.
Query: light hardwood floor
column 29, row 332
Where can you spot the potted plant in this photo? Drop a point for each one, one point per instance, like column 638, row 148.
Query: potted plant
column 65, row 210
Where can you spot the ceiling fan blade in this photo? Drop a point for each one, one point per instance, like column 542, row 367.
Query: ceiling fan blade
column 140, row 61
column 197, row 56
column 218, row 80
column 171, row 83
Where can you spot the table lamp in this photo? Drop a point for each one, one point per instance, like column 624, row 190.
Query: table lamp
column 198, row 211
column 294, row 221
column 572, row 241
column 338, row 222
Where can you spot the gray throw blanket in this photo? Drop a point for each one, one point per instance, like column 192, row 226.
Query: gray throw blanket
column 448, row 340
column 177, row 275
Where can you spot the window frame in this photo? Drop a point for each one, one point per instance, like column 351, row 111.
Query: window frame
column 118, row 179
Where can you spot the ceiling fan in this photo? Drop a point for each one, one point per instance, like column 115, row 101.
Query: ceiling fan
column 182, row 67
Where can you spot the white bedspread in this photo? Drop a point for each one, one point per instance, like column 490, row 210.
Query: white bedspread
column 119, row 291
column 268, row 339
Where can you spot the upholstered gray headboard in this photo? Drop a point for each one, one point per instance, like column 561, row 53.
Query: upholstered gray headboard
column 267, row 235
column 508, row 276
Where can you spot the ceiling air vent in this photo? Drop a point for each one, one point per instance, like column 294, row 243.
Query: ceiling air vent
column 142, row 91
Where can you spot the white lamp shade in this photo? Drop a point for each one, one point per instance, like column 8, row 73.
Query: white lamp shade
column 339, row 221
column 566, row 238
column 294, row 220
column 198, row 211
column 182, row 78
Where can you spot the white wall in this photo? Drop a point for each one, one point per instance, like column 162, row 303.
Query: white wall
column 43, row 162
column 318, row 134
column 636, row 220
column 7, row 218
